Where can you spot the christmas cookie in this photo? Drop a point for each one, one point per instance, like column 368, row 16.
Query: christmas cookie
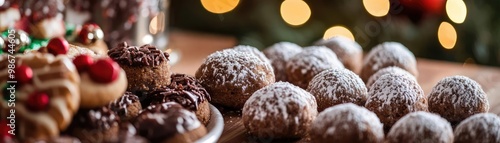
column 421, row 127
column 456, row 98
column 384, row 71
column 348, row 51
column 394, row 95
column 91, row 36
column 251, row 50
column 337, row 86
column 482, row 127
column 278, row 54
column 169, row 123
column 346, row 123
column 278, row 111
column 46, row 94
column 388, row 54
column 188, row 92
column 46, row 19
column 302, row 67
column 9, row 14
column 231, row 76
column 127, row 106
column 146, row 67
column 95, row 125
column 102, row 78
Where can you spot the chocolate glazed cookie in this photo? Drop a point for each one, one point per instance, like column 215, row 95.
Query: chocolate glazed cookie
column 188, row 92
column 95, row 125
column 169, row 123
column 146, row 67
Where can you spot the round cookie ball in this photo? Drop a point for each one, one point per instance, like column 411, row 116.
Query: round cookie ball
column 348, row 51
column 421, row 127
column 302, row 67
column 337, row 86
column 231, row 77
column 387, row 70
column 252, row 50
column 346, row 123
column 394, row 95
column 482, row 127
column 278, row 54
column 95, row 125
column 280, row 110
column 456, row 98
column 127, row 107
column 388, row 54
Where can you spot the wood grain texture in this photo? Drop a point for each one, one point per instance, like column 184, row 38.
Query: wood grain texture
column 195, row 47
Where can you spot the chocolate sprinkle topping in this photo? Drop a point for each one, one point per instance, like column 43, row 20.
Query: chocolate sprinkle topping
column 146, row 55
column 162, row 121
column 43, row 9
column 99, row 119
column 184, row 89
column 121, row 104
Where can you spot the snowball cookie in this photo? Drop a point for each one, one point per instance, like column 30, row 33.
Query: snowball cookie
column 456, row 98
column 387, row 70
column 482, row 127
column 302, row 67
column 231, row 77
column 346, row 123
column 337, row 86
column 348, row 51
column 280, row 110
column 252, row 50
column 421, row 127
column 394, row 95
column 278, row 54
column 388, row 54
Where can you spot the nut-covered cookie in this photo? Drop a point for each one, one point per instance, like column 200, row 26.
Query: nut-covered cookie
column 231, row 77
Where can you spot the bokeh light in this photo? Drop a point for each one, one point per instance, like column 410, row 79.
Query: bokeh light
column 456, row 10
column 295, row 12
column 219, row 6
column 338, row 31
column 377, row 8
column 447, row 35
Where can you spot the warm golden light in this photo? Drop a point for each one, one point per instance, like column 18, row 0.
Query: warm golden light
column 295, row 12
column 456, row 10
column 447, row 35
column 219, row 6
column 338, row 31
column 377, row 8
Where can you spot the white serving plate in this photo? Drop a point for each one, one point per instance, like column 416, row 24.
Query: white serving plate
column 214, row 127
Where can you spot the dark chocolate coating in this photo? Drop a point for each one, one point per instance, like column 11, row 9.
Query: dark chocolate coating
column 146, row 55
column 183, row 89
column 97, row 119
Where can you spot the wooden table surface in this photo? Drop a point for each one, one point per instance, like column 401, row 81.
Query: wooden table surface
column 193, row 48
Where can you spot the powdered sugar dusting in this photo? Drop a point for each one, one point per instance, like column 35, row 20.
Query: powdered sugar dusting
column 314, row 58
column 230, row 67
column 278, row 54
column 465, row 93
column 387, row 70
column 341, row 46
column 252, row 50
column 273, row 101
column 349, row 117
column 388, row 54
column 393, row 96
column 328, row 83
column 421, row 126
column 482, row 127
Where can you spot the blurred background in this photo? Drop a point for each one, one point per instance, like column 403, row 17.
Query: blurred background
column 454, row 30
